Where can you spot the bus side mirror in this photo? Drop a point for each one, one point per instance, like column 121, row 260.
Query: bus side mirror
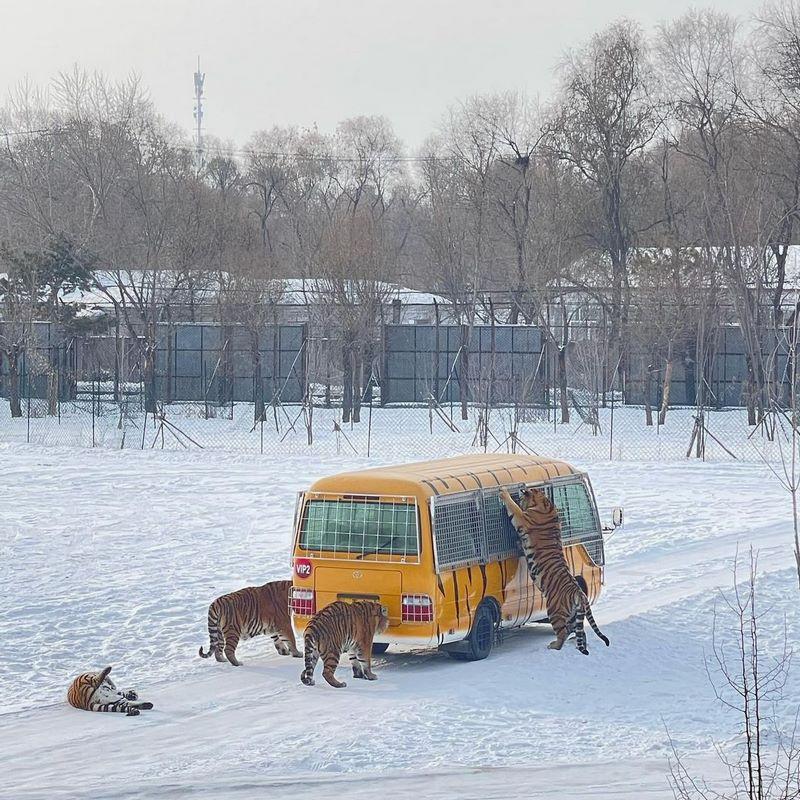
column 616, row 516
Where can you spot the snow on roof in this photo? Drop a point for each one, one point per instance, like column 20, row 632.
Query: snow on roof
column 180, row 286
column 300, row 291
column 793, row 265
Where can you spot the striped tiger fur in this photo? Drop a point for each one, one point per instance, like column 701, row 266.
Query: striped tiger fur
column 539, row 529
column 250, row 612
column 343, row 628
column 95, row 691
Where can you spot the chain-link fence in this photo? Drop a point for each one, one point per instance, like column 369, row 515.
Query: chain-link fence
column 280, row 390
column 613, row 432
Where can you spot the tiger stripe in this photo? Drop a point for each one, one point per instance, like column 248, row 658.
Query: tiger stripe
column 455, row 596
column 460, row 482
column 497, row 480
column 247, row 613
column 343, row 628
column 476, row 479
column 467, row 591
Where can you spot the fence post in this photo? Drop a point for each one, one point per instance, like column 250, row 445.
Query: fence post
column 59, row 378
column 203, row 381
column 611, row 429
column 464, row 376
column 28, row 393
column 436, row 351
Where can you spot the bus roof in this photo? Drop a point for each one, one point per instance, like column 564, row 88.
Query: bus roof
column 446, row 475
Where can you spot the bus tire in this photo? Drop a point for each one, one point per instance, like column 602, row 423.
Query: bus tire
column 481, row 636
column 379, row 648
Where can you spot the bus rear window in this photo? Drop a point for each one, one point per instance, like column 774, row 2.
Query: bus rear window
column 359, row 526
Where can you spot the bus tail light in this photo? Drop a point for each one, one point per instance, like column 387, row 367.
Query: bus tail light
column 417, row 608
column 303, row 603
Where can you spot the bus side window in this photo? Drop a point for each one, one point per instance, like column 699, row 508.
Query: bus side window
column 575, row 511
column 562, row 497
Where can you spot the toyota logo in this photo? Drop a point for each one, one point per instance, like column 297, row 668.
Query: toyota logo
column 357, row 573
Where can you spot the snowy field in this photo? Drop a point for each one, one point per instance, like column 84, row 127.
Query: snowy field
column 111, row 557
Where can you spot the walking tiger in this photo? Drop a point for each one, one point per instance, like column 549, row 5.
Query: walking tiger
column 539, row 528
column 250, row 612
column 343, row 628
column 95, row 691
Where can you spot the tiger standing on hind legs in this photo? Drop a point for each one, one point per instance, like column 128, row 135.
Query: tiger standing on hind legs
column 250, row 612
column 539, row 528
column 343, row 628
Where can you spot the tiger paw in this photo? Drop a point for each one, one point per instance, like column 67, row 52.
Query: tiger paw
column 131, row 695
column 371, row 676
column 132, row 712
column 145, row 706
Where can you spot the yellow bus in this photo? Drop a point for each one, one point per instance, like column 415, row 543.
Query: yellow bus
column 433, row 543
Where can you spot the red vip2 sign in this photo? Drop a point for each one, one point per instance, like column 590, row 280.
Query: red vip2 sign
column 303, row 567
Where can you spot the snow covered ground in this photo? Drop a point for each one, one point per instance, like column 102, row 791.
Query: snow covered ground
column 111, row 557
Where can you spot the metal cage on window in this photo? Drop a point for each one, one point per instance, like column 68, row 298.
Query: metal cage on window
column 360, row 526
column 473, row 527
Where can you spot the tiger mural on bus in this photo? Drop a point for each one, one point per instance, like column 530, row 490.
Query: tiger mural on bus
column 343, row 628
column 537, row 522
column 249, row 612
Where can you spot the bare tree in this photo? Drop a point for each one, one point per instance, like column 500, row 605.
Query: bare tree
column 18, row 290
column 32, row 288
column 356, row 258
column 749, row 682
column 457, row 175
column 370, row 164
column 287, row 171
column 605, row 118
column 775, row 108
column 787, row 439
column 703, row 62
column 669, row 297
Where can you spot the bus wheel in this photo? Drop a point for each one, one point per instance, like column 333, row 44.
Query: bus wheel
column 481, row 637
column 379, row 648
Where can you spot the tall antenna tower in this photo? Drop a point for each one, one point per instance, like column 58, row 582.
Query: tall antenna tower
column 199, row 79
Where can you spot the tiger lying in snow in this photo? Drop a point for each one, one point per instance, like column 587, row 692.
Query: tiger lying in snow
column 539, row 528
column 95, row 691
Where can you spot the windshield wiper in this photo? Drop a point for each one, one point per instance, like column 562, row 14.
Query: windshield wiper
column 376, row 550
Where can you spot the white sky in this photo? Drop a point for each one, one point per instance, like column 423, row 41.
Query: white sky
column 313, row 61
